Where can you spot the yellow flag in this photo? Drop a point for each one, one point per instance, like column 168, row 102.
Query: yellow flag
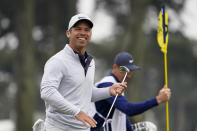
column 162, row 31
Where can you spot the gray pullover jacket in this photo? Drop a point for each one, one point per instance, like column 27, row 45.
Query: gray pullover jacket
column 66, row 89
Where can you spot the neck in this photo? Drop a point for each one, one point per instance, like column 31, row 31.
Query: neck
column 79, row 50
column 116, row 74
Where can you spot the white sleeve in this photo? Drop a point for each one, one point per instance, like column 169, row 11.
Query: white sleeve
column 50, row 82
column 100, row 93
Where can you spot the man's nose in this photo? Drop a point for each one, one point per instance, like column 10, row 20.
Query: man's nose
column 83, row 32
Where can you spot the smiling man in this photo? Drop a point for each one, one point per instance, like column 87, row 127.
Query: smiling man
column 67, row 85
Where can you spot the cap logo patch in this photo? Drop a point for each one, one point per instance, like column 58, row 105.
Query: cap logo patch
column 81, row 18
column 130, row 61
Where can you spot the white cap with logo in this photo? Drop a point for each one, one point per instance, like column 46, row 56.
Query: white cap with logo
column 77, row 18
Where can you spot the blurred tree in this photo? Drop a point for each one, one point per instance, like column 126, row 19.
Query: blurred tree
column 25, row 64
column 52, row 18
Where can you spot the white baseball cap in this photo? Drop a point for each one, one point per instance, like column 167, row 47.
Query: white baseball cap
column 77, row 18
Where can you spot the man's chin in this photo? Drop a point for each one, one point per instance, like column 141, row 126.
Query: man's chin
column 81, row 44
column 80, row 47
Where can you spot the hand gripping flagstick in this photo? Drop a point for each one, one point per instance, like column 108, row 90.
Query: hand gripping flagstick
column 125, row 70
column 162, row 38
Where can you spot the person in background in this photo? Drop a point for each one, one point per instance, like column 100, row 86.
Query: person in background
column 118, row 119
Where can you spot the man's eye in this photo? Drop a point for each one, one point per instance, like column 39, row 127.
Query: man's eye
column 87, row 29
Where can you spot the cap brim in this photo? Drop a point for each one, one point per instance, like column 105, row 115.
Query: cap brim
column 133, row 67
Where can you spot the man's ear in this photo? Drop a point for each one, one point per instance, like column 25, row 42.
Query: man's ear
column 115, row 66
column 116, row 70
column 68, row 33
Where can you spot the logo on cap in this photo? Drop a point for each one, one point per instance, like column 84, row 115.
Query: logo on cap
column 131, row 61
column 82, row 18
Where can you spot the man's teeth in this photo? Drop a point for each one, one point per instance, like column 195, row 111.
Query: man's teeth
column 82, row 38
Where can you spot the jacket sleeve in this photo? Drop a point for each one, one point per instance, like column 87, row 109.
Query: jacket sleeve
column 49, row 88
column 132, row 108
column 100, row 94
column 127, row 107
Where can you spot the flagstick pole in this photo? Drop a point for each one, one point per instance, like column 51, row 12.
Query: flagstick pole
column 162, row 38
column 166, row 83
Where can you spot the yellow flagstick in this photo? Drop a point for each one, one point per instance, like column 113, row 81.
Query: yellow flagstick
column 162, row 38
column 166, row 82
